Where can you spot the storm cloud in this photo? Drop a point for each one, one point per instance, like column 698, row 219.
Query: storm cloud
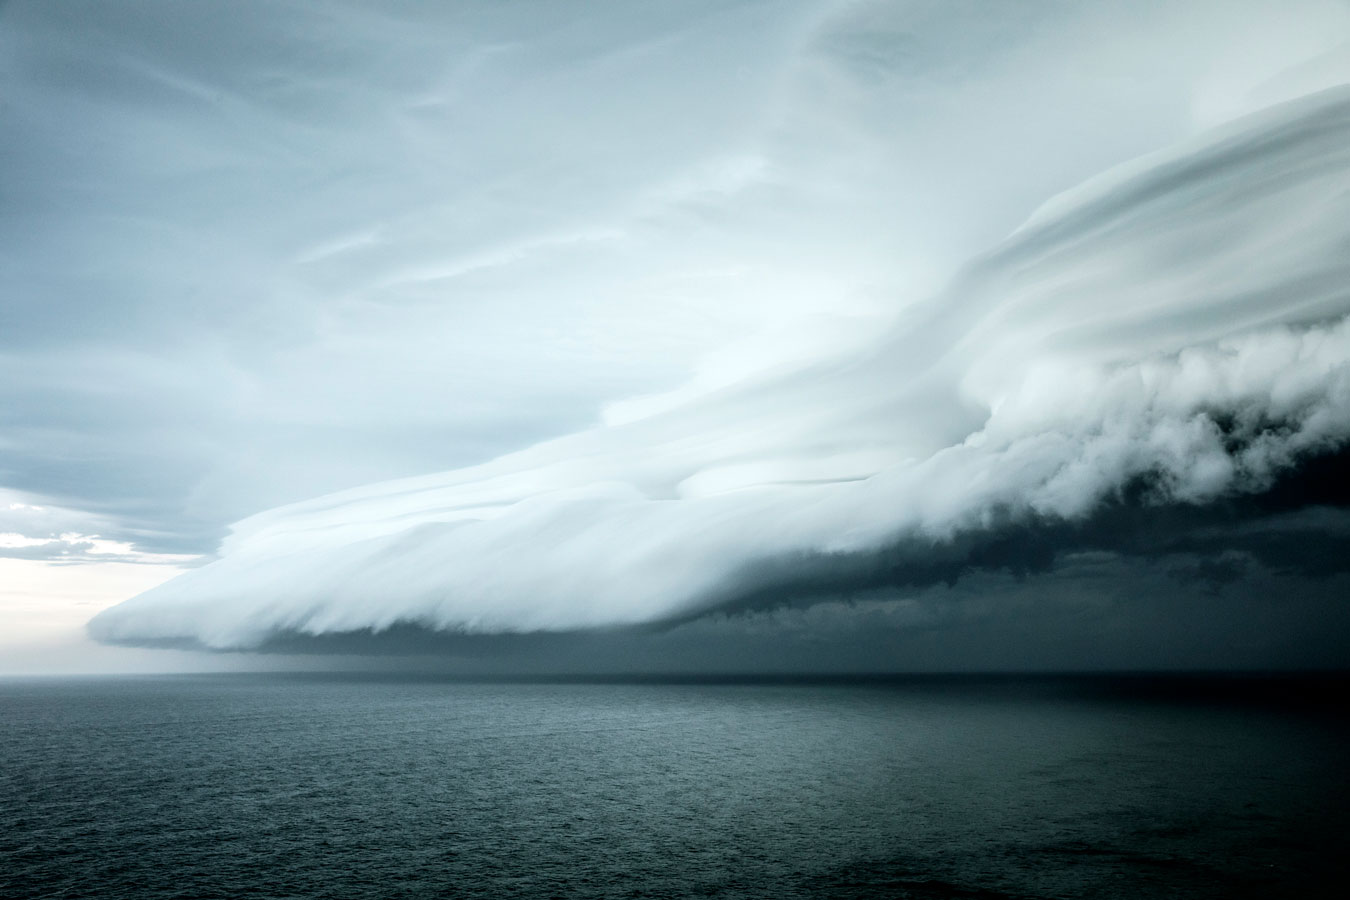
column 1170, row 334
column 728, row 327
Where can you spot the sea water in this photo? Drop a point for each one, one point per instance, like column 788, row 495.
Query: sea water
column 276, row 786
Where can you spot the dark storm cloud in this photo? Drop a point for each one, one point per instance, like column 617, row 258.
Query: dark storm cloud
column 1094, row 611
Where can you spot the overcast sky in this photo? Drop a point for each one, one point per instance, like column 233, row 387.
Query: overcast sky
column 796, row 334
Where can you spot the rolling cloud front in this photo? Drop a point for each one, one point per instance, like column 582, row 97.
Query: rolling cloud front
column 846, row 335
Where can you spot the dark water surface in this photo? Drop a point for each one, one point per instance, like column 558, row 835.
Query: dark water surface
column 230, row 786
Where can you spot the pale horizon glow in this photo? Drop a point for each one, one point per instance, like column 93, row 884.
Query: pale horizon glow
column 45, row 606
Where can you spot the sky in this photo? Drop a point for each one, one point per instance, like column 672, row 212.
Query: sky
column 674, row 336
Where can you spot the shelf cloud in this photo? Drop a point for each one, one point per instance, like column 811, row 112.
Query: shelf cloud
column 1166, row 338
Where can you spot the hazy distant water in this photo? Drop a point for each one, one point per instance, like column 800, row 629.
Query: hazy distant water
column 282, row 787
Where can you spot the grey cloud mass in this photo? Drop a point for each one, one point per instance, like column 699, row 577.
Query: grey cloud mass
column 724, row 319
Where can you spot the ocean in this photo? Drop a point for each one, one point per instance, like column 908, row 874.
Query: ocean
column 961, row 787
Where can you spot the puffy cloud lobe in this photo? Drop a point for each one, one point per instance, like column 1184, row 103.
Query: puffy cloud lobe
column 1181, row 321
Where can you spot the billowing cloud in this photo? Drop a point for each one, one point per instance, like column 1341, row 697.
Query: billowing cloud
column 1171, row 333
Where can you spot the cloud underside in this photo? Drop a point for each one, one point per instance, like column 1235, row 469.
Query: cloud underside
column 1156, row 366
